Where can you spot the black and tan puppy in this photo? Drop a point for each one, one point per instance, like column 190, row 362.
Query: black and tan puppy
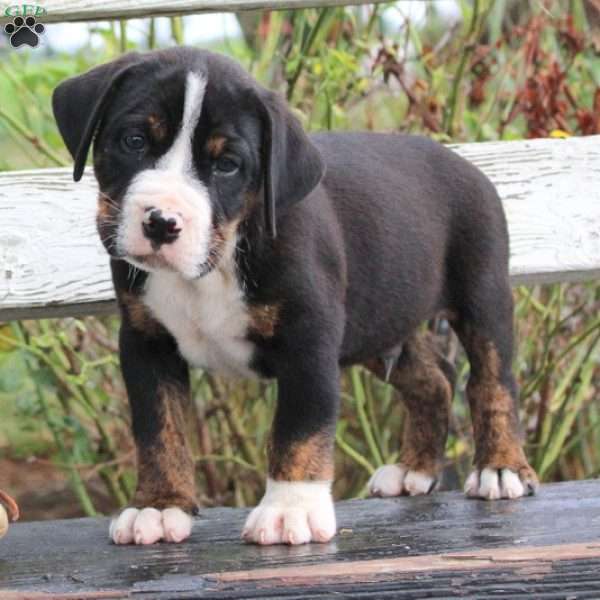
column 264, row 252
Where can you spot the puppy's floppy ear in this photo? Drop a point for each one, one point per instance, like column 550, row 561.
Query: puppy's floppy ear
column 292, row 165
column 79, row 103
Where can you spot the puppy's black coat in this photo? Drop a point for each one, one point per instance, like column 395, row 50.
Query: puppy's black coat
column 344, row 244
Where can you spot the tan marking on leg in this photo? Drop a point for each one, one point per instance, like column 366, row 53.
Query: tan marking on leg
column 495, row 426
column 494, row 414
column 264, row 319
column 427, row 394
column 166, row 473
column 308, row 460
column 139, row 315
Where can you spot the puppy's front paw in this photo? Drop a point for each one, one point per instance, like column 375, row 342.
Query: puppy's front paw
column 493, row 484
column 399, row 480
column 292, row 513
column 150, row 525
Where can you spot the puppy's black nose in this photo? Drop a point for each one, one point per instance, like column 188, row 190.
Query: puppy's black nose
column 161, row 227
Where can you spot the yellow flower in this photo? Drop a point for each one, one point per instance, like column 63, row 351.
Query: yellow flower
column 559, row 134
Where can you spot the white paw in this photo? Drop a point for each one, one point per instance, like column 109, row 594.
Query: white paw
column 149, row 525
column 398, row 480
column 292, row 513
column 493, row 484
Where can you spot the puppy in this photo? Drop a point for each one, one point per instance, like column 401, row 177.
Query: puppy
column 264, row 252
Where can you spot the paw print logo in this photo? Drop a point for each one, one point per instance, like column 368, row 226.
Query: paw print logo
column 24, row 32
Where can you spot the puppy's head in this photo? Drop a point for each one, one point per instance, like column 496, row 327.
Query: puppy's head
column 186, row 147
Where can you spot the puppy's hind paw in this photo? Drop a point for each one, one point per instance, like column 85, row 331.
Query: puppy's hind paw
column 150, row 525
column 494, row 484
column 399, row 480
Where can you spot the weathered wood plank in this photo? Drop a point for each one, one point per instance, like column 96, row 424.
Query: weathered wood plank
column 448, row 561
column 51, row 260
column 551, row 195
column 52, row 263
column 436, row 544
column 63, row 11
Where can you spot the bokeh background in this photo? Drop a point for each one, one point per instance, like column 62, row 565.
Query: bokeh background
column 456, row 71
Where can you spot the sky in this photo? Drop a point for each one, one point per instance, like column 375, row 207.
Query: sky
column 69, row 37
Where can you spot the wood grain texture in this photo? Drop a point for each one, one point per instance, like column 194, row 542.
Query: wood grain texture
column 551, row 195
column 52, row 263
column 63, row 11
column 51, row 259
column 438, row 546
column 448, row 561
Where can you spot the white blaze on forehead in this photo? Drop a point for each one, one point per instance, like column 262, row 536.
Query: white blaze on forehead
column 179, row 156
column 172, row 185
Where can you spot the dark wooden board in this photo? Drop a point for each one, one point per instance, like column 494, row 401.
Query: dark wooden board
column 542, row 545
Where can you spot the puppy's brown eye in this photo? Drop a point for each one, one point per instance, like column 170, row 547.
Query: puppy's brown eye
column 134, row 142
column 226, row 165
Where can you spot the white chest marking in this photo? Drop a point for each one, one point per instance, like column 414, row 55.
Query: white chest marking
column 207, row 317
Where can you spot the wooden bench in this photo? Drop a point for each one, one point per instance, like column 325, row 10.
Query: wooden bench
column 439, row 546
column 52, row 265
